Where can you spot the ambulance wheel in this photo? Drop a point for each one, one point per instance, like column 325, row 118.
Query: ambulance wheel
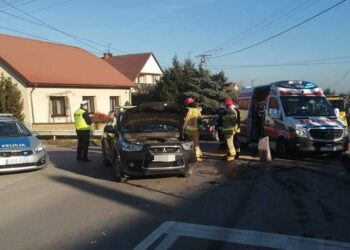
column 282, row 147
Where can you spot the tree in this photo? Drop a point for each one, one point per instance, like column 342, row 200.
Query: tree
column 11, row 100
column 185, row 79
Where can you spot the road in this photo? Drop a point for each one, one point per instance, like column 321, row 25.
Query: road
column 246, row 204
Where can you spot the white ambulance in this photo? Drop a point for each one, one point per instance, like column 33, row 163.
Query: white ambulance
column 295, row 115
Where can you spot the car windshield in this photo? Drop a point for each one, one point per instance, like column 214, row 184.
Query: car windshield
column 150, row 128
column 306, row 106
column 339, row 104
column 13, row 129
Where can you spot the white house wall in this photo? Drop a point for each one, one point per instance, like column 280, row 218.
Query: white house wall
column 42, row 106
column 24, row 90
column 151, row 67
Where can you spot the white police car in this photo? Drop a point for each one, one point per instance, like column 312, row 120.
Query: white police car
column 20, row 150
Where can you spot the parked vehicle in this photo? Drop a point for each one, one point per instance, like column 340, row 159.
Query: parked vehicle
column 208, row 128
column 339, row 103
column 20, row 150
column 148, row 140
column 295, row 115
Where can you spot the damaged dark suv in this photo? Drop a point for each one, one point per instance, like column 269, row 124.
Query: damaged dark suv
column 148, row 140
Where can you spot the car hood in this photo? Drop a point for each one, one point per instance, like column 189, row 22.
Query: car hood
column 18, row 143
column 172, row 114
column 315, row 122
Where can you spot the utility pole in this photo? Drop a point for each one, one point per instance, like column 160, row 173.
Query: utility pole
column 203, row 60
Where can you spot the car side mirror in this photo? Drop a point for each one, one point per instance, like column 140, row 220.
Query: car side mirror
column 109, row 129
column 36, row 134
column 274, row 113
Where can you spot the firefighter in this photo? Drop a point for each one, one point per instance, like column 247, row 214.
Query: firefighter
column 192, row 122
column 82, row 126
column 237, row 130
column 229, row 125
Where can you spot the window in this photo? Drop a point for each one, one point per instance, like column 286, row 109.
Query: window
column 91, row 103
column 58, row 106
column 114, row 102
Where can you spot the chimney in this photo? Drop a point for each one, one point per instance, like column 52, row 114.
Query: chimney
column 107, row 55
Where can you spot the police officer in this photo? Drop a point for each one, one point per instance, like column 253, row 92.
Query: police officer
column 192, row 123
column 82, row 126
column 229, row 124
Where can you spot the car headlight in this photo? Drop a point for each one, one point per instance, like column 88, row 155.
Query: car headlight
column 187, row 145
column 301, row 132
column 128, row 147
column 346, row 132
column 39, row 148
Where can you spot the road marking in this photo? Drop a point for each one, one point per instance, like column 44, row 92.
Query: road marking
column 173, row 230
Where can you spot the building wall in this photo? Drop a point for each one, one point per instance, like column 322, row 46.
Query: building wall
column 73, row 97
column 23, row 88
column 39, row 99
column 150, row 72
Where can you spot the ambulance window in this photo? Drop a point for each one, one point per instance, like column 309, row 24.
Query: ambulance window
column 273, row 103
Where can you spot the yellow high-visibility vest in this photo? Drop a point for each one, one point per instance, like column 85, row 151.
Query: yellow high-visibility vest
column 80, row 123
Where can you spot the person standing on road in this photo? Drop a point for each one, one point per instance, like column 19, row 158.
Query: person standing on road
column 82, row 126
column 192, row 122
column 237, row 130
column 229, row 124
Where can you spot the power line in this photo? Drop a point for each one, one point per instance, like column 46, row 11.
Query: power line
column 282, row 13
column 282, row 32
column 329, row 60
column 37, row 10
column 27, row 34
column 46, row 25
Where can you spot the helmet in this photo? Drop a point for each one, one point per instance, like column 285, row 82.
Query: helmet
column 228, row 102
column 189, row 101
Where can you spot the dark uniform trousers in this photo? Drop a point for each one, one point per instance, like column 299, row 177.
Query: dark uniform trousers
column 83, row 144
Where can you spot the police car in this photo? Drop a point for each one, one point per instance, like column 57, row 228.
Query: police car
column 20, row 150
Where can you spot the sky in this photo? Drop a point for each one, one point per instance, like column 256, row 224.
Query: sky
column 226, row 31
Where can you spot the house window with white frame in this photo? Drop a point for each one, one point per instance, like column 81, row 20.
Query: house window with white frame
column 114, row 102
column 91, row 103
column 58, row 106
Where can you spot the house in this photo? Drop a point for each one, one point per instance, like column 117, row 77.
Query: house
column 55, row 78
column 142, row 69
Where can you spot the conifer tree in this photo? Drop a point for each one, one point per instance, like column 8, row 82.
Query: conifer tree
column 11, row 100
column 185, row 79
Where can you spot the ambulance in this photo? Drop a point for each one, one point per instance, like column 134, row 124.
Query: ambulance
column 295, row 115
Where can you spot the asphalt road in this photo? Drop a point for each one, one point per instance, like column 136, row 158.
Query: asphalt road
column 246, row 204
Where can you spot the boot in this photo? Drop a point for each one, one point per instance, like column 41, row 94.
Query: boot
column 230, row 158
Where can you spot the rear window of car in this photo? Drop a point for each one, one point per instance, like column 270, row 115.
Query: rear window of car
column 13, row 129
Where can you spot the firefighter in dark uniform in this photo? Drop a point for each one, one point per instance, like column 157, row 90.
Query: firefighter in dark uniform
column 229, row 126
column 82, row 126
column 238, row 130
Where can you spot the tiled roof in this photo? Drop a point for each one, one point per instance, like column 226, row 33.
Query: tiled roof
column 48, row 64
column 129, row 65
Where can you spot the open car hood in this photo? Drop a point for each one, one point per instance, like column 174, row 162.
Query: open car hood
column 172, row 114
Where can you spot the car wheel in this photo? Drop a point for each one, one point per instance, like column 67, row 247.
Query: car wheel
column 118, row 173
column 188, row 172
column 105, row 161
column 282, row 148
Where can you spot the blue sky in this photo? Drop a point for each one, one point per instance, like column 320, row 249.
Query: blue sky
column 193, row 27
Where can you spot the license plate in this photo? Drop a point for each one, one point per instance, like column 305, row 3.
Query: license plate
column 329, row 149
column 17, row 160
column 164, row 158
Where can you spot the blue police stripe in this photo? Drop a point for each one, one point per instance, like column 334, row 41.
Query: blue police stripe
column 14, row 142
